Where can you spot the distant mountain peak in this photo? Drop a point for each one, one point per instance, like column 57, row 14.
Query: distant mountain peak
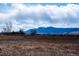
column 53, row 30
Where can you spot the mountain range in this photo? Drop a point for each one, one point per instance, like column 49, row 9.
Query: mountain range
column 54, row 31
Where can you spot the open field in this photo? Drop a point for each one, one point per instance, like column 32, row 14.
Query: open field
column 39, row 45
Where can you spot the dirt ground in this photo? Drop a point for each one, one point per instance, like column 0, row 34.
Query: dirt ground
column 17, row 45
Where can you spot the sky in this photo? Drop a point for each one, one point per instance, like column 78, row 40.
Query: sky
column 34, row 15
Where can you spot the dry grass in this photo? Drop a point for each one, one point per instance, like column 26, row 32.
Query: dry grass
column 39, row 46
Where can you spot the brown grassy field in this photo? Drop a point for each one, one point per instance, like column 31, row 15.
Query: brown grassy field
column 39, row 45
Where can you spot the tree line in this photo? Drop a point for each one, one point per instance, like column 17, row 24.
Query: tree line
column 7, row 29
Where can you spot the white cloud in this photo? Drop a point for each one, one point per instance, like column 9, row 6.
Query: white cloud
column 28, row 16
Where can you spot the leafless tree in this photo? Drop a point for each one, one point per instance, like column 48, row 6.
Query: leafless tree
column 7, row 27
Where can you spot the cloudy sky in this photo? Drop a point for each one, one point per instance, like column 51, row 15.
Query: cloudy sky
column 27, row 16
